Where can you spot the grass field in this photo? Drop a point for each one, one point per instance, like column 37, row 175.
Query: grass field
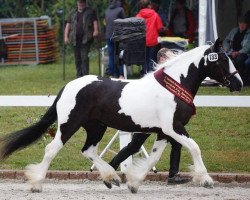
column 223, row 134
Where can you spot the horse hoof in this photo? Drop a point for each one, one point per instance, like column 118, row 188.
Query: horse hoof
column 207, row 184
column 132, row 189
column 36, row 189
column 108, row 184
column 116, row 182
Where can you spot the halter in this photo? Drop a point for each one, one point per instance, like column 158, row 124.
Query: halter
column 227, row 82
column 213, row 57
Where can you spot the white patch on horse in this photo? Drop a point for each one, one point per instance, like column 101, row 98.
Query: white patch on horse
column 180, row 64
column 68, row 99
column 136, row 98
column 205, row 60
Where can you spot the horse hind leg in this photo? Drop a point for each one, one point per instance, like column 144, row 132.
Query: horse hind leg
column 36, row 173
column 95, row 132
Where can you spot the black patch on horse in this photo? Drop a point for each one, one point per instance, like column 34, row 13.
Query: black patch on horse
column 183, row 111
column 98, row 103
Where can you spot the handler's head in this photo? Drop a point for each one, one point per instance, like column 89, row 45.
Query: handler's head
column 144, row 4
column 81, row 4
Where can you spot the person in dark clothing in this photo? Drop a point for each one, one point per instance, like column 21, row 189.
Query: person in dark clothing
column 139, row 138
column 113, row 12
column 153, row 26
column 246, row 72
column 182, row 22
column 237, row 45
column 80, row 30
column 134, row 146
column 3, row 50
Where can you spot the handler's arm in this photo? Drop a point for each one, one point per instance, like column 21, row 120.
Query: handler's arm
column 96, row 32
column 66, row 33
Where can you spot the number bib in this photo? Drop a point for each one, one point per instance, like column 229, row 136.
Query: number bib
column 212, row 57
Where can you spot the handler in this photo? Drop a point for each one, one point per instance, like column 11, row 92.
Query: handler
column 139, row 138
column 80, row 30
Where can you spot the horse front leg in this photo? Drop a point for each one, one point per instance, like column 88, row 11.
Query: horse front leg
column 200, row 174
column 107, row 172
column 137, row 172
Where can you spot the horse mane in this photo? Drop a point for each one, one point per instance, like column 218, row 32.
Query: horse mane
column 190, row 56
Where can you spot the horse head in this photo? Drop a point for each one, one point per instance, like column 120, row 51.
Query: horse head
column 220, row 67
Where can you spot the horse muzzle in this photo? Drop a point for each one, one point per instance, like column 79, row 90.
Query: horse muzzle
column 233, row 82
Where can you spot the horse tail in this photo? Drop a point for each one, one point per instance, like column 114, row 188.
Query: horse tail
column 22, row 138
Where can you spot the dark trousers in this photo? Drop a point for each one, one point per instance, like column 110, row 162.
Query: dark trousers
column 113, row 69
column 240, row 65
column 247, row 72
column 134, row 146
column 151, row 54
column 239, row 61
column 81, row 53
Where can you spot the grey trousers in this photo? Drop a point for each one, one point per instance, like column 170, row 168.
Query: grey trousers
column 81, row 53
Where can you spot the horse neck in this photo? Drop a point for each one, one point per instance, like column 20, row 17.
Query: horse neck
column 188, row 69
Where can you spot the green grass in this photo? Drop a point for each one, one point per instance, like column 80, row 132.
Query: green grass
column 223, row 134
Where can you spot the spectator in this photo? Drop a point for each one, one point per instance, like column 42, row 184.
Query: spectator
column 113, row 12
column 126, row 7
column 237, row 45
column 153, row 26
column 3, row 49
column 247, row 62
column 182, row 22
column 246, row 72
column 81, row 28
column 162, row 13
column 139, row 138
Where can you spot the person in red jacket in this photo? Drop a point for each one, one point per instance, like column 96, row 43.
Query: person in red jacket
column 153, row 26
column 182, row 22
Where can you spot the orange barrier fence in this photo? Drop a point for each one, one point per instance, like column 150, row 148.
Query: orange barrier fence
column 33, row 41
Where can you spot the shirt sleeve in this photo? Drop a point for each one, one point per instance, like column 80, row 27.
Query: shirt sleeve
column 159, row 23
column 227, row 41
column 94, row 15
column 246, row 44
column 69, row 17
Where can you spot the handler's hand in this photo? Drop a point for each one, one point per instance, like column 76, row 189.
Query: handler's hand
column 234, row 54
column 66, row 40
column 95, row 33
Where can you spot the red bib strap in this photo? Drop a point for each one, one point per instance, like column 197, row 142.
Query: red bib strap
column 175, row 88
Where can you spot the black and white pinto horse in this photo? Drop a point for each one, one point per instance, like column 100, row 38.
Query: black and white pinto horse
column 144, row 105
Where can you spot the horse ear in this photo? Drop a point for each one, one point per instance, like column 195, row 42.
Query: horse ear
column 217, row 45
